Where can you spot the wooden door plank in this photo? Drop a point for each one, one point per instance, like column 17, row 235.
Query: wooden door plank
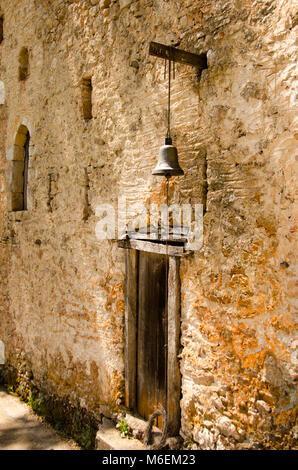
column 152, row 334
column 130, row 354
column 173, row 373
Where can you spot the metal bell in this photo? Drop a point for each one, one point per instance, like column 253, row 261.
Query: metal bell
column 168, row 164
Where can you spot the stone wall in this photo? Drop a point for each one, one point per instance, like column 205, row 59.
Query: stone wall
column 62, row 291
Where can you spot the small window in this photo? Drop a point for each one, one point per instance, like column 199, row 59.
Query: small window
column 23, row 64
column 26, row 167
column 1, row 28
column 86, row 90
column 19, row 166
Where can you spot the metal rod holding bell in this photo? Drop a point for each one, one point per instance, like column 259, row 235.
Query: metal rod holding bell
column 168, row 164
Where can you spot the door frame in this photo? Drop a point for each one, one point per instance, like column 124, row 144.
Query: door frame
column 130, row 349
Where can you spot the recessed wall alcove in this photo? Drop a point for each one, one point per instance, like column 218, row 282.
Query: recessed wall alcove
column 18, row 166
column 23, row 64
column 1, row 28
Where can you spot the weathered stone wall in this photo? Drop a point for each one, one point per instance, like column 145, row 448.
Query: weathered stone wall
column 62, row 291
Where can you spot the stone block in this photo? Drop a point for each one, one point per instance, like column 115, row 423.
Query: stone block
column 263, row 407
column 226, row 427
column 204, row 379
column 139, row 425
column 204, row 438
column 108, row 438
column 125, row 3
column 105, row 3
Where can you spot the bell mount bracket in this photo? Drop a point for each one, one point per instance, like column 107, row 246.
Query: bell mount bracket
column 178, row 55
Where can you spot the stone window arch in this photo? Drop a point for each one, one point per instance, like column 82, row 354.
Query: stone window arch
column 23, row 64
column 18, row 171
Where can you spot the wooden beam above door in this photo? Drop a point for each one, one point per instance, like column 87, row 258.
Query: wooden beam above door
column 152, row 247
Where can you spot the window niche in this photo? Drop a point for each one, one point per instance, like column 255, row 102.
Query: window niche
column 1, row 28
column 86, row 94
column 23, row 64
column 18, row 171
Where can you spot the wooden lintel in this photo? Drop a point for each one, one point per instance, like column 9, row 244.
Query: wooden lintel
column 152, row 247
column 178, row 55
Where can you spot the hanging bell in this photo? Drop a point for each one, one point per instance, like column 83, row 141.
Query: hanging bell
column 168, row 164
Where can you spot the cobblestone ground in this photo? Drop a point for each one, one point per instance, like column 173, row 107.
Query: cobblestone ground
column 20, row 429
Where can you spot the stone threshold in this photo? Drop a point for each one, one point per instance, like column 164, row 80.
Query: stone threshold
column 108, row 438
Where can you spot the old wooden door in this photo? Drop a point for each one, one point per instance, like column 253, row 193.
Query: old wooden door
column 152, row 334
